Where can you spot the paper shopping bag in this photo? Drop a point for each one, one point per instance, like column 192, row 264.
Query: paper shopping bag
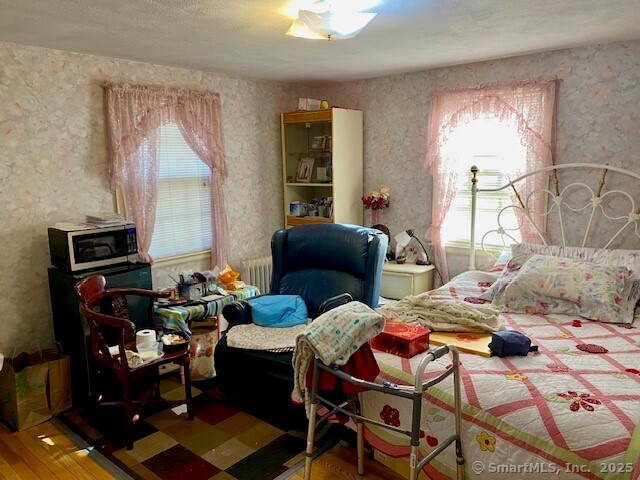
column 23, row 395
column 59, row 385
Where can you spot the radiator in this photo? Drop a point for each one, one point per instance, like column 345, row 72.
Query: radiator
column 258, row 272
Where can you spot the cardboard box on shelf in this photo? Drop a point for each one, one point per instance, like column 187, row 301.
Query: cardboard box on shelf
column 308, row 104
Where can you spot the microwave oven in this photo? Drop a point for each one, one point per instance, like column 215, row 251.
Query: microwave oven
column 82, row 247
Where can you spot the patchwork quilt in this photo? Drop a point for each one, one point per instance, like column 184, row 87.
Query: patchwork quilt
column 571, row 410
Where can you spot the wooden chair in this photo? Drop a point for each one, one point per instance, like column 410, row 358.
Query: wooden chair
column 112, row 324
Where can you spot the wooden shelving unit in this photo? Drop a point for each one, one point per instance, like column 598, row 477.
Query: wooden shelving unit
column 337, row 170
column 292, row 221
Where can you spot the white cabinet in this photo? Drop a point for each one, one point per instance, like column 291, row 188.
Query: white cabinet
column 322, row 159
column 400, row 280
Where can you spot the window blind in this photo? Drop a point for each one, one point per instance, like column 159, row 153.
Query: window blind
column 496, row 149
column 457, row 225
column 183, row 212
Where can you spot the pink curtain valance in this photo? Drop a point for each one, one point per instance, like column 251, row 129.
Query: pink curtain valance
column 528, row 107
column 134, row 114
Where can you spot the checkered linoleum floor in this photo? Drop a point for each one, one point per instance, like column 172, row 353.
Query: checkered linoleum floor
column 221, row 443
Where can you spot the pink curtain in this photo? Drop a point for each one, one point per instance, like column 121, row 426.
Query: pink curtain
column 134, row 114
column 133, row 118
column 526, row 106
column 198, row 117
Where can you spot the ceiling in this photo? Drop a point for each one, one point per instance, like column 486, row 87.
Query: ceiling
column 246, row 37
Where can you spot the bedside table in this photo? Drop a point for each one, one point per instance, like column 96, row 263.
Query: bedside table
column 400, row 280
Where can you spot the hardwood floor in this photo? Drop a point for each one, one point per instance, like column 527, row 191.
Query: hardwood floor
column 339, row 463
column 43, row 452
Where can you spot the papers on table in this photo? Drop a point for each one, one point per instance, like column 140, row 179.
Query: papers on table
column 211, row 298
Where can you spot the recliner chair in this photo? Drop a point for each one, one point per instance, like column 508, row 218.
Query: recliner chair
column 317, row 262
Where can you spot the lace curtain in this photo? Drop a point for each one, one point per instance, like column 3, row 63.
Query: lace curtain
column 528, row 107
column 134, row 115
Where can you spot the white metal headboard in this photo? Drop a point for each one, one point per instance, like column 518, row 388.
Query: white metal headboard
column 557, row 199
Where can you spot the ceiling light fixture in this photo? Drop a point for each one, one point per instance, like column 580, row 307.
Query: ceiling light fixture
column 325, row 19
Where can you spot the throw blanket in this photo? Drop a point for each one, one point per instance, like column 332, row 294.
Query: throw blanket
column 333, row 337
column 255, row 337
column 442, row 315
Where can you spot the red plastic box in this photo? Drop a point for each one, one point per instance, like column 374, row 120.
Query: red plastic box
column 401, row 339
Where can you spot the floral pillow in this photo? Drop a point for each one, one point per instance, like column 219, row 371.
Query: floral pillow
column 501, row 261
column 546, row 284
column 509, row 272
column 630, row 297
column 599, row 256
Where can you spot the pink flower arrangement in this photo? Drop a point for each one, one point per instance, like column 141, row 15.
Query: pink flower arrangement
column 378, row 200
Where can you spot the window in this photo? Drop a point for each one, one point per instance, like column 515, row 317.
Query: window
column 496, row 150
column 183, row 212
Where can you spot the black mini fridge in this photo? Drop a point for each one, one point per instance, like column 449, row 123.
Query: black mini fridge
column 72, row 331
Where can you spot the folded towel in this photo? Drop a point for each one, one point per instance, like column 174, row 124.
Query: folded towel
column 333, row 337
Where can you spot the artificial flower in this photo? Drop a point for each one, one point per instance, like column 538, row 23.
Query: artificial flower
column 378, row 199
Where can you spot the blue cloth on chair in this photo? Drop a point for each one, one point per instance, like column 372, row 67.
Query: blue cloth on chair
column 278, row 310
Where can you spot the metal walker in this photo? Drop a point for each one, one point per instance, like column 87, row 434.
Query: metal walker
column 413, row 393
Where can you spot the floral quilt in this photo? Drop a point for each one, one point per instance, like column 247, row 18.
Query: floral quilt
column 571, row 410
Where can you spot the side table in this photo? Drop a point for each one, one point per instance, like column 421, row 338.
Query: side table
column 202, row 320
column 400, row 280
column 179, row 317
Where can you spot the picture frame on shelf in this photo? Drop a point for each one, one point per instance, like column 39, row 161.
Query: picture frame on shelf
column 305, row 170
column 321, row 175
column 319, row 142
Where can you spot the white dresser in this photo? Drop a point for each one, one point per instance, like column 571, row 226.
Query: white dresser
column 400, row 280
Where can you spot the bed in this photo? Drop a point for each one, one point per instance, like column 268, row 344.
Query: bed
column 567, row 411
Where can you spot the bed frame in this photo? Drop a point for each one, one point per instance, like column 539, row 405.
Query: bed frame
column 557, row 202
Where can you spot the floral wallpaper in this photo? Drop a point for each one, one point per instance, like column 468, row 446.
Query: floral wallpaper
column 598, row 120
column 54, row 166
column 53, row 150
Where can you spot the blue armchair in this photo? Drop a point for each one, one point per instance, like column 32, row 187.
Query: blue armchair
column 319, row 262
